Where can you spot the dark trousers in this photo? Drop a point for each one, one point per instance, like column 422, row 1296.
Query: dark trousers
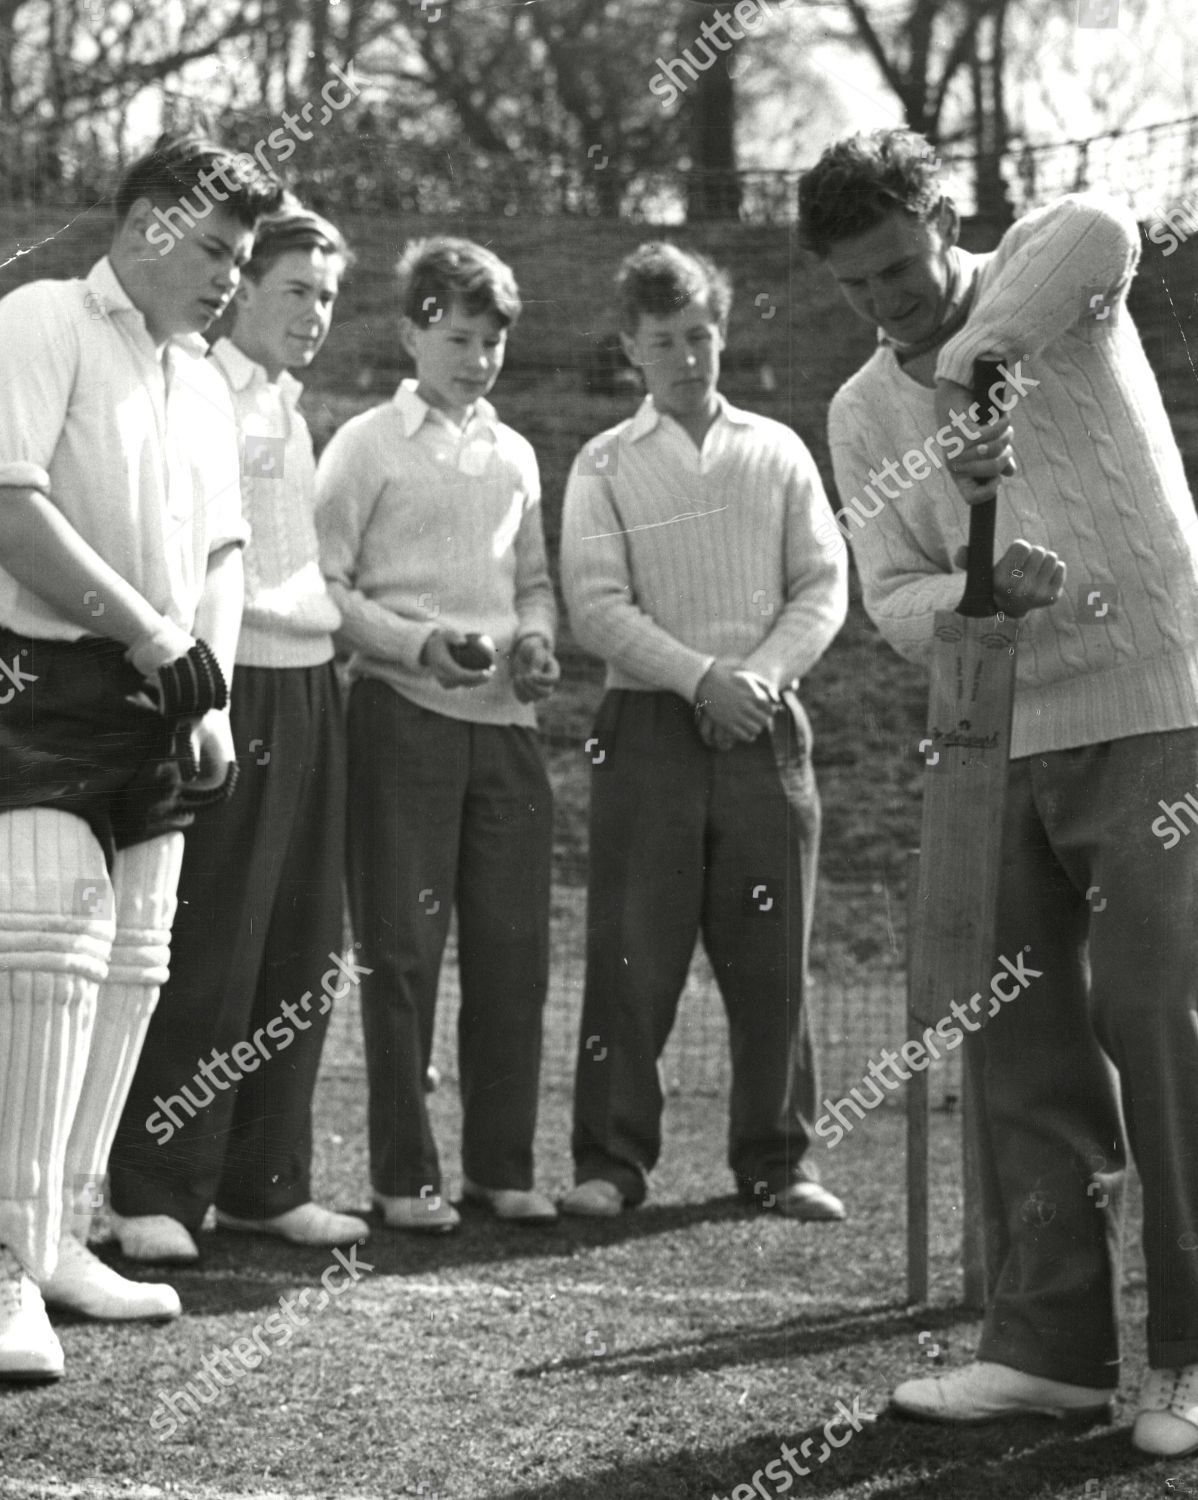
column 260, row 912
column 444, row 812
column 1099, row 894
column 686, row 840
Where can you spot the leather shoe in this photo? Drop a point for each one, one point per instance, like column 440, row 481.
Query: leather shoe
column 985, row 1392
column 306, row 1224
column 82, row 1283
column 1167, row 1421
column 810, row 1201
column 429, row 1214
column 513, row 1204
column 154, row 1237
column 594, row 1199
column 29, row 1347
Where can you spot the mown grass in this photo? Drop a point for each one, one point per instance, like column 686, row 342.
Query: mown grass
column 667, row 1354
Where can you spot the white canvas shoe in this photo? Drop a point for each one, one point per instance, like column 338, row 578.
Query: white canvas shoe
column 82, row 1283
column 307, row 1224
column 431, row 1214
column 986, row 1392
column 154, row 1237
column 596, row 1198
column 29, row 1347
column 513, row 1204
column 1167, row 1421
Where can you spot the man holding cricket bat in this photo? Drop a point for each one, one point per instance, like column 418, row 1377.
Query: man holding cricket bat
column 1095, row 910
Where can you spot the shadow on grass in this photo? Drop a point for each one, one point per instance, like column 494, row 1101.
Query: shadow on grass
column 804, row 1334
column 889, row 1457
column 239, row 1272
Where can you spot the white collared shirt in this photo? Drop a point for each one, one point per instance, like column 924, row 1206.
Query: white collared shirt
column 289, row 617
column 138, row 452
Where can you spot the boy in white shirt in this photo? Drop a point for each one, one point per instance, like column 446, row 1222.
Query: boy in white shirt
column 260, row 897
column 120, row 594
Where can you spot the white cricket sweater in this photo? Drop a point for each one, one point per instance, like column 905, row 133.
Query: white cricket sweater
column 674, row 556
column 1100, row 482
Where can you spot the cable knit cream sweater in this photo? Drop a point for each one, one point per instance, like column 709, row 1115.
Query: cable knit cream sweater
column 1100, row 481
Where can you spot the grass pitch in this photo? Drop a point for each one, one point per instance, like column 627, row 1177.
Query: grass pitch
column 666, row 1354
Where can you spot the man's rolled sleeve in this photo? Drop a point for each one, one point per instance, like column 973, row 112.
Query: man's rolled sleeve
column 598, row 587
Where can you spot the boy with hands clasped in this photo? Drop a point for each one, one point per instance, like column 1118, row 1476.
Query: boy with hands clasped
column 690, row 565
column 432, row 547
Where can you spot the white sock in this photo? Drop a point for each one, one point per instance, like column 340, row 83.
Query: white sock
column 56, row 926
column 144, row 880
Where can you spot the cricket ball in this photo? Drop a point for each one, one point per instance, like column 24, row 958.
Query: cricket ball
column 476, row 653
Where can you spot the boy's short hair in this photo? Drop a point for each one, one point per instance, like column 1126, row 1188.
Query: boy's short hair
column 177, row 166
column 859, row 181
column 444, row 269
column 659, row 279
column 293, row 227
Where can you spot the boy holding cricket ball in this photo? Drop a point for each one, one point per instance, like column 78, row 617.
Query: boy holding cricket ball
column 433, row 551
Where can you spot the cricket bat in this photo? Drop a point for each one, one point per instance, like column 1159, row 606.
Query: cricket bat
column 966, row 752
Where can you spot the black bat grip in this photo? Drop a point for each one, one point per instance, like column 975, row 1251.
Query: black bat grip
column 978, row 600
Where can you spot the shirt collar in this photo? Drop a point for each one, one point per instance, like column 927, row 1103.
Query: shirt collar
column 102, row 282
column 647, row 417
column 415, row 410
column 242, row 371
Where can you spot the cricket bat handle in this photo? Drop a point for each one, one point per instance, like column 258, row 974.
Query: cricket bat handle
column 978, row 600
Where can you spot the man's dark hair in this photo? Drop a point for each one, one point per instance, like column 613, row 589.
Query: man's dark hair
column 659, row 279
column 442, row 269
column 293, row 227
column 859, row 181
column 170, row 172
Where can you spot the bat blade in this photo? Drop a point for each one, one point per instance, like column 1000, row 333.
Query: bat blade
column 966, row 751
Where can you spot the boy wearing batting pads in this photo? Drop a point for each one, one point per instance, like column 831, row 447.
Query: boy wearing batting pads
column 1092, row 907
column 120, row 594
